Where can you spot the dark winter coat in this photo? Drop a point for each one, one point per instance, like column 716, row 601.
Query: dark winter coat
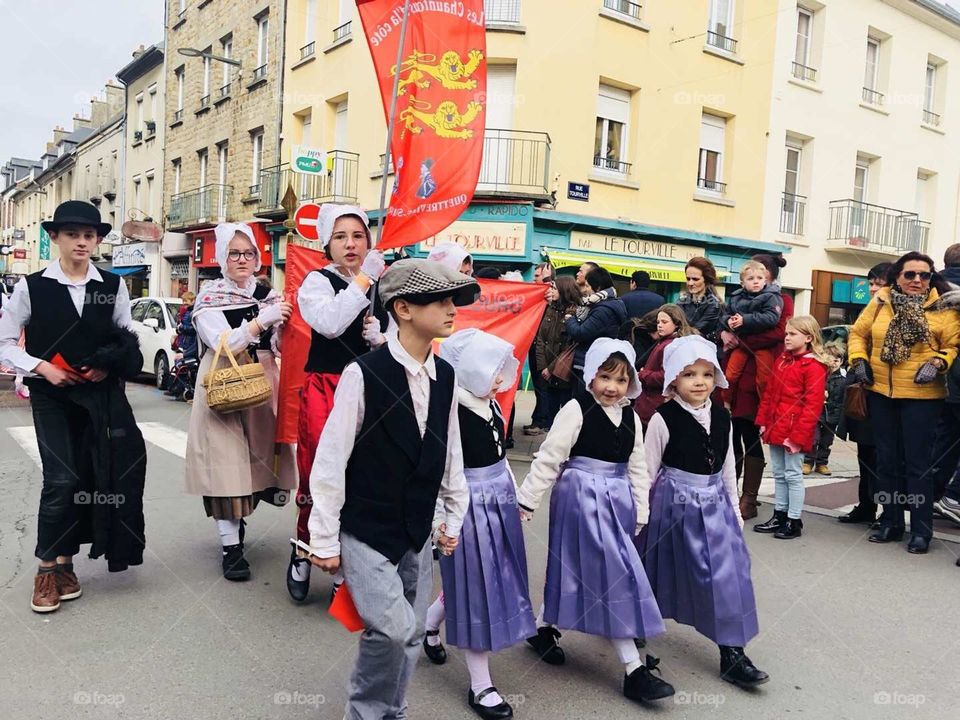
column 640, row 302
column 704, row 316
column 187, row 339
column 792, row 402
column 550, row 340
column 603, row 320
column 952, row 300
column 836, row 394
column 760, row 311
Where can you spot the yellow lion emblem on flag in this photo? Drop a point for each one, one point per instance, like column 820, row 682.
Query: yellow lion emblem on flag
column 447, row 121
column 451, row 72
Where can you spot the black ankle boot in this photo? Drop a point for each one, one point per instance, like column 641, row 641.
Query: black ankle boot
column 643, row 685
column 736, row 668
column 235, row 566
column 545, row 643
column 773, row 524
column 437, row 654
column 298, row 589
column 887, row 534
column 790, row 530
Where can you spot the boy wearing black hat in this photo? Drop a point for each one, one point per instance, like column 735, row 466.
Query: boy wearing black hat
column 390, row 447
column 70, row 314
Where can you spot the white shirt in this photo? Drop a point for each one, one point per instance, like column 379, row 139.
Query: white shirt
column 555, row 451
column 324, row 309
column 211, row 324
column 656, row 442
column 16, row 314
column 328, row 475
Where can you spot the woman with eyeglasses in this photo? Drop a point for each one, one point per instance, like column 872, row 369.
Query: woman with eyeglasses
column 901, row 348
column 230, row 457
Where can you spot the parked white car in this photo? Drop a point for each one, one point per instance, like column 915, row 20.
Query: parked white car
column 155, row 323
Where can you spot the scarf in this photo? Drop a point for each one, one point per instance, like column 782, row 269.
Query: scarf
column 584, row 309
column 225, row 294
column 907, row 328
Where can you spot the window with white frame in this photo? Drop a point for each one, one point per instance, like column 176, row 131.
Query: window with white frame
column 720, row 29
column 346, row 11
column 713, row 131
column 136, row 192
column 207, row 67
column 148, row 196
column 930, row 100
column 179, row 74
column 792, row 209
column 802, row 64
column 226, row 50
column 176, row 176
column 222, row 163
column 152, row 92
column 139, row 126
column 861, row 177
column 202, row 161
column 871, row 73
column 611, row 132
column 263, row 40
column 256, row 141
column 310, row 22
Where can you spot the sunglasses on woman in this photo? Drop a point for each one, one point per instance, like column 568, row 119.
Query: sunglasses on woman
column 913, row 275
column 235, row 255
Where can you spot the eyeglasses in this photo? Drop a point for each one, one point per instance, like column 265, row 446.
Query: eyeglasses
column 913, row 275
column 235, row 255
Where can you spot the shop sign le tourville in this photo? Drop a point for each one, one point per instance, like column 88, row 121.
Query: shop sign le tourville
column 634, row 247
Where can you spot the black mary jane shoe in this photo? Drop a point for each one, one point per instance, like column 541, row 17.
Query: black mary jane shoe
column 437, row 654
column 545, row 644
column 918, row 545
column 235, row 566
column 643, row 686
column 501, row 711
column 859, row 514
column 887, row 534
column 793, row 528
column 773, row 524
column 736, row 668
column 298, row 589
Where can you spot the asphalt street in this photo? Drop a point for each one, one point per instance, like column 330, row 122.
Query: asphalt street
column 848, row 629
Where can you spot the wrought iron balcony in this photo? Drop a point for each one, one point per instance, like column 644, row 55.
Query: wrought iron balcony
column 203, row 205
column 178, row 115
column 342, row 32
column 931, row 118
column 792, row 209
column 861, row 227
column 337, row 184
column 624, row 7
column 721, row 42
column 612, row 165
column 712, row 185
column 205, row 102
column 872, row 97
column 501, row 11
column 802, row 72
column 516, row 163
column 259, row 74
column 308, row 50
column 224, row 92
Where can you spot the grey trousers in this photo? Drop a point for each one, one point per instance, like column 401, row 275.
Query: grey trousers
column 392, row 600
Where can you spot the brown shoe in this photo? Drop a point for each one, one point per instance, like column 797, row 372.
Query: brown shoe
column 822, row 470
column 46, row 597
column 752, row 477
column 67, row 583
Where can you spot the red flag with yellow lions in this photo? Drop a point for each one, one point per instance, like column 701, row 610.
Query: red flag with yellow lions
column 437, row 142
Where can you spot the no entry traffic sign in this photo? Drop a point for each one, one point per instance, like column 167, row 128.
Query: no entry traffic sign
column 306, row 221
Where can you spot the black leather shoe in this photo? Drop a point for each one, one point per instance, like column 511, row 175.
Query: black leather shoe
column 495, row 712
column 545, row 643
column 437, row 654
column 789, row 530
column 736, row 668
column 918, row 545
column 235, row 566
column 298, row 589
column 773, row 524
column 643, row 686
column 859, row 514
column 887, row 535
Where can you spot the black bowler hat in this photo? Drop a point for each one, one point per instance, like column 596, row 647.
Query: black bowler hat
column 76, row 212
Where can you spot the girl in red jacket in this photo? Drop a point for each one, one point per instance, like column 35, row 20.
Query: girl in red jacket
column 671, row 324
column 787, row 418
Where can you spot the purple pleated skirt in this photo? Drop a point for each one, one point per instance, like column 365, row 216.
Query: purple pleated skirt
column 696, row 558
column 485, row 586
column 595, row 581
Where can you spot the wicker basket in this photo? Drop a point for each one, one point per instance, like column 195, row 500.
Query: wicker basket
column 236, row 387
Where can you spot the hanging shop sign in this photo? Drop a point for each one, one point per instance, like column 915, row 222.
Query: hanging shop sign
column 634, row 247
column 483, row 238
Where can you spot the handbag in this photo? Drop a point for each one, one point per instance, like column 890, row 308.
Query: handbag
column 855, row 402
column 562, row 366
column 235, row 387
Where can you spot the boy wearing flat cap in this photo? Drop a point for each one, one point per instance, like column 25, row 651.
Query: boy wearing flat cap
column 390, row 447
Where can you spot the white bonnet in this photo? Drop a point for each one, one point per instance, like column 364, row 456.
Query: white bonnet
column 597, row 355
column 224, row 233
column 330, row 213
column 478, row 357
column 450, row 254
column 686, row 351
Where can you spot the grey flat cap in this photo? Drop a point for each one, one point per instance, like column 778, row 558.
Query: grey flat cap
column 426, row 281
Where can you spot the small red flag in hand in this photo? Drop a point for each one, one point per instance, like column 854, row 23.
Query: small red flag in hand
column 344, row 611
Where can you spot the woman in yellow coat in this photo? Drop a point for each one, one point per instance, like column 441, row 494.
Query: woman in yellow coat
column 901, row 348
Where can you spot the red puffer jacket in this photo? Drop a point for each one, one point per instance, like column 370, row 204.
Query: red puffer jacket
column 791, row 405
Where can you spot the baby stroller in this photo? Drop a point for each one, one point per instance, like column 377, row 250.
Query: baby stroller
column 182, row 378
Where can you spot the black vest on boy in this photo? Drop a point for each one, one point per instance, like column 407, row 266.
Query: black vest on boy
column 690, row 448
column 599, row 438
column 332, row 355
column 393, row 476
column 54, row 326
column 486, row 445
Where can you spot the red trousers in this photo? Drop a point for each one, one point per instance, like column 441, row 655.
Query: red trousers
column 737, row 361
column 316, row 402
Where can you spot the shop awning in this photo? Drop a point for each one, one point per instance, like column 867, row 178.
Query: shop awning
column 129, row 270
column 619, row 265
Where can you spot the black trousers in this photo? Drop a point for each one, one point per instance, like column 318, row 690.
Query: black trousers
column 823, row 439
column 905, row 479
column 746, row 441
column 945, row 455
column 63, row 521
column 866, row 489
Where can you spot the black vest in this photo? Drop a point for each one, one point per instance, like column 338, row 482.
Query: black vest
column 236, row 316
column 393, row 475
column 54, row 326
column 690, row 448
column 482, row 441
column 599, row 438
column 332, row 355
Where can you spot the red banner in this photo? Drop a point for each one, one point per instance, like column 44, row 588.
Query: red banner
column 437, row 142
column 509, row 310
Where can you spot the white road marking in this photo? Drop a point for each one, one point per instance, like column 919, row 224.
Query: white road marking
column 26, row 437
column 163, row 436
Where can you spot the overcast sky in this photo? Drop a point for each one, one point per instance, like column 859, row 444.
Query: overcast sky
column 59, row 53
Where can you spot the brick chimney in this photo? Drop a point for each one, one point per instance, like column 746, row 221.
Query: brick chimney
column 79, row 121
column 58, row 134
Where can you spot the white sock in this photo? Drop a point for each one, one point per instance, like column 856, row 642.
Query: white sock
column 628, row 653
column 540, row 622
column 435, row 615
column 301, row 571
column 478, row 665
column 229, row 532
